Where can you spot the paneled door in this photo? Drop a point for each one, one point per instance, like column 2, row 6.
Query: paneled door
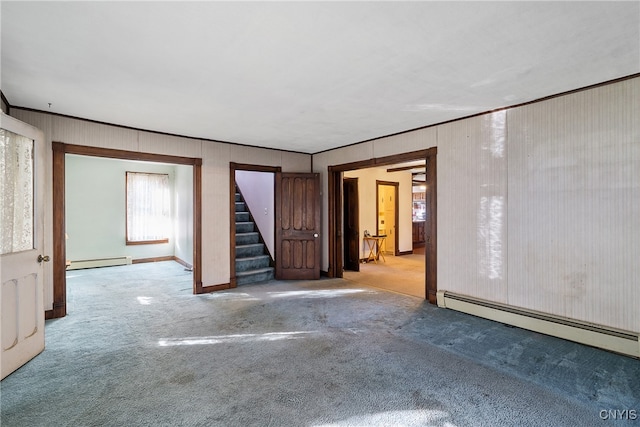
column 297, row 226
column 21, row 256
column 387, row 208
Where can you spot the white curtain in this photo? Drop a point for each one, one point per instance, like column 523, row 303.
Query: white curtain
column 16, row 190
column 148, row 207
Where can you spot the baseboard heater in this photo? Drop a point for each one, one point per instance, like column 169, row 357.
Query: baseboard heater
column 102, row 262
column 616, row 340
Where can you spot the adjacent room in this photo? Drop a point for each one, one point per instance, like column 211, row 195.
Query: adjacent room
column 384, row 216
column 120, row 212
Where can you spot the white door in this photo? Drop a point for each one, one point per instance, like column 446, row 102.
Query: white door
column 21, row 264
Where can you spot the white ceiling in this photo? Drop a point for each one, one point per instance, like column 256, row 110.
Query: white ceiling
column 305, row 76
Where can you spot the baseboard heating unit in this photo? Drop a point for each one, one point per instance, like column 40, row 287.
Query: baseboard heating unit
column 102, row 262
column 616, row 340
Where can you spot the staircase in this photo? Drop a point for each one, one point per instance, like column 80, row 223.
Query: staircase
column 252, row 258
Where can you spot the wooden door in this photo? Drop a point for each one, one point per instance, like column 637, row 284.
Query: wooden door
column 387, row 207
column 297, row 226
column 21, row 263
column 351, row 225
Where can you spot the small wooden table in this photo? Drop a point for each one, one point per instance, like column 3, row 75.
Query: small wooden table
column 375, row 244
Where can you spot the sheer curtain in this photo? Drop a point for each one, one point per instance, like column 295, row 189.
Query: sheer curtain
column 148, row 207
column 16, row 192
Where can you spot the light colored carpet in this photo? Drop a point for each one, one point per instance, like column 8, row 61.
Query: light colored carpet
column 404, row 274
column 137, row 349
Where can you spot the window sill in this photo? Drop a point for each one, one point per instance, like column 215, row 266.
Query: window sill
column 147, row 242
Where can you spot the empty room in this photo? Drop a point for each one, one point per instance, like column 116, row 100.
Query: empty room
column 320, row 213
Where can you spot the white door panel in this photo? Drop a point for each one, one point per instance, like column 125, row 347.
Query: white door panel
column 21, row 293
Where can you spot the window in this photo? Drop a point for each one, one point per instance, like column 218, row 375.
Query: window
column 148, row 208
column 16, row 192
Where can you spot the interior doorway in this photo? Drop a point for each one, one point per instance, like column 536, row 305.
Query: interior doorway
column 387, row 210
column 252, row 227
column 60, row 150
column 297, row 206
column 336, row 198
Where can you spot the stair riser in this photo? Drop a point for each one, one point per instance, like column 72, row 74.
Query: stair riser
column 252, row 260
column 254, row 250
column 247, row 264
column 256, row 278
column 244, row 227
column 246, row 239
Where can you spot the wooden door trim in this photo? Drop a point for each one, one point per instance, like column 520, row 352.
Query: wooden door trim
column 335, row 206
column 381, row 161
column 233, row 167
column 431, row 246
column 396, row 185
column 60, row 150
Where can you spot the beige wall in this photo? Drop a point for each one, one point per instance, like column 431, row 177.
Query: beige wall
column 95, row 200
column 215, row 177
column 368, row 217
column 538, row 205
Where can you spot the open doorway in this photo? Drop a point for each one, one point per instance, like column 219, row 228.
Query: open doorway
column 252, row 215
column 426, row 262
column 388, row 211
column 121, row 212
column 383, row 241
column 297, row 207
column 60, row 151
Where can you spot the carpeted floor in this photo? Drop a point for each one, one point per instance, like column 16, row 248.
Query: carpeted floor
column 137, row 349
column 384, row 274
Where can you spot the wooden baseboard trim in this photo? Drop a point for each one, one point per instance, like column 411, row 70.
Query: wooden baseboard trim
column 182, row 262
column 405, row 253
column 213, row 288
column 156, row 259
column 366, row 260
column 48, row 314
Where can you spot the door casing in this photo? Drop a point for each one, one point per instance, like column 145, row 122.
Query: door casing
column 335, row 213
column 60, row 150
column 233, row 167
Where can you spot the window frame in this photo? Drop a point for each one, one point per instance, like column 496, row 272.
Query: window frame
column 138, row 242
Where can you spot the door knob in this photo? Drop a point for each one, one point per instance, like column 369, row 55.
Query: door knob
column 43, row 258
